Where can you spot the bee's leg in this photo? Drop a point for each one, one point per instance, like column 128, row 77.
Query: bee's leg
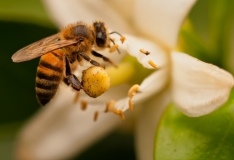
column 71, row 78
column 87, row 58
column 96, row 54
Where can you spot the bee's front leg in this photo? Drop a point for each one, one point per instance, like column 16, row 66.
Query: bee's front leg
column 96, row 54
column 71, row 79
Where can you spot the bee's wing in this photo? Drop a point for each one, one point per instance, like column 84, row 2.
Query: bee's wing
column 41, row 47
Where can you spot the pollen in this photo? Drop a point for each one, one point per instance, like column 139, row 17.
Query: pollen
column 131, row 93
column 83, row 105
column 95, row 117
column 113, row 48
column 95, row 81
column 152, row 64
column 144, row 52
column 122, row 39
column 76, row 98
column 110, row 107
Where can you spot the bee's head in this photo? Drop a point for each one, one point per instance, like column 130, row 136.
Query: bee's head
column 101, row 34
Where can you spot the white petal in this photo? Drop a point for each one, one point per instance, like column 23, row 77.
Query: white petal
column 114, row 93
column 122, row 104
column 162, row 19
column 152, row 84
column 148, row 88
column 70, row 11
column 62, row 129
column 124, row 8
column 133, row 46
column 198, row 87
column 147, row 124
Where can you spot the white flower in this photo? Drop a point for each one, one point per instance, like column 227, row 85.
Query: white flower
column 197, row 88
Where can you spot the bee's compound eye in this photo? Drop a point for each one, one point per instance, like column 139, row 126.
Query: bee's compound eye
column 101, row 39
column 95, row 81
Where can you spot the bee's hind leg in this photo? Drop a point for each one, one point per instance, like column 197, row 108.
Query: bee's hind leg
column 71, row 79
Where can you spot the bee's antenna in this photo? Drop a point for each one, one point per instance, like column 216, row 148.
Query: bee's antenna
column 114, row 32
column 114, row 44
column 112, row 41
column 122, row 38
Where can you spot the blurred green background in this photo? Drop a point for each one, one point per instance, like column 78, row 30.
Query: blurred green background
column 25, row 21
column 19, row 26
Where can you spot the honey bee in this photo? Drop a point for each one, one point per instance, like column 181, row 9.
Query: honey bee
column 59, row 52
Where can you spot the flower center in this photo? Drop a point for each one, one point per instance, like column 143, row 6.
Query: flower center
column 129, row 71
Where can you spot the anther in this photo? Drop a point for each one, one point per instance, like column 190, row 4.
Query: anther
column 122, row 39
column 83, row 105
column 144, row 52
column 76, row 98
column 110, row 107
column 95, row 116
column 152, row 64
column 131, row 92
column 113, row 48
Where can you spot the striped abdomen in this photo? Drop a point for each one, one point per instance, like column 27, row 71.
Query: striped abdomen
column 49, row 75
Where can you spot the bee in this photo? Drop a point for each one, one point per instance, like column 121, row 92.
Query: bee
column 59, row 52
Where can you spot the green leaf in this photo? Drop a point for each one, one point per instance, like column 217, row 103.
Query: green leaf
column 30, row 11
column 212, row 22
column 190, row 42
column 179, row 137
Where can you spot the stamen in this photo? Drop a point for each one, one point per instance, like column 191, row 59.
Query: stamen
column 110, row 107
column 83, row 105
column 130, row 104
column 122, row 39
column 131, row 92
column 113, row 48
column 95, row 116
column 121, row 115
column 144, row 52
column 76, row 98
column 152, row 64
